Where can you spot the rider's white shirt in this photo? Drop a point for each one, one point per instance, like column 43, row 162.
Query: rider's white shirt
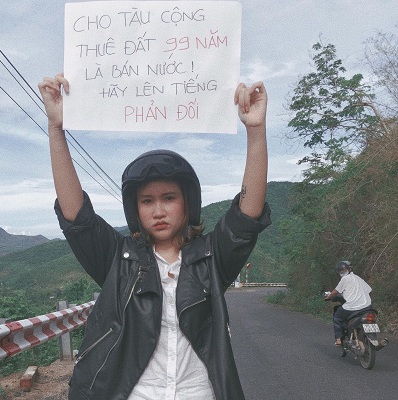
column 355, row 292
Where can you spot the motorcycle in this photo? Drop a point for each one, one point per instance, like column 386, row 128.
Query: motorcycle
column 361, row 335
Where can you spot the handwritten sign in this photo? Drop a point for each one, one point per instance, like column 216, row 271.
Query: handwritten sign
column 152, row 66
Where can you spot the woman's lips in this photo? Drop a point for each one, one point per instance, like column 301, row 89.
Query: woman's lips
column 160, row 226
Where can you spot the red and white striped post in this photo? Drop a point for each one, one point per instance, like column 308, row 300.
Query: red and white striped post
column 65, row 340
column 248, row 265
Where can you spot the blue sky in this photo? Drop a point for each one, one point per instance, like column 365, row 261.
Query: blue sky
column 276, row 45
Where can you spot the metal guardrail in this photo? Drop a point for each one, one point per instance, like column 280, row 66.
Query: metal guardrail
column 18, row 336
column 263, row 284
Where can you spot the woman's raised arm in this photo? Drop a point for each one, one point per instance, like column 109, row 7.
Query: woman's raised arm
column 252, row 107
column 67, row 183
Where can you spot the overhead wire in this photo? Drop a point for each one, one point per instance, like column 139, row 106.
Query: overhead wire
column 106, row 178
column 69, row 134
column 75, row 161
column 41, row 100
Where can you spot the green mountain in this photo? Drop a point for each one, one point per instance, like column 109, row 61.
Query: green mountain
column 45, row 271
column 267, row 258
column 13, row 243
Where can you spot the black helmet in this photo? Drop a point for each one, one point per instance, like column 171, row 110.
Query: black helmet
column 342, row 265
column 159, row 164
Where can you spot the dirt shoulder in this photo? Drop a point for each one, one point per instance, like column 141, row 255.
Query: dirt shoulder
column 51, row 383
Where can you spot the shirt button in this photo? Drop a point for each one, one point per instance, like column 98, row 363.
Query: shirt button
column 126, row 254
column 207, row 253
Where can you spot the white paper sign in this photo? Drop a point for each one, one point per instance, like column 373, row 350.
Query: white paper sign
column 153, row 66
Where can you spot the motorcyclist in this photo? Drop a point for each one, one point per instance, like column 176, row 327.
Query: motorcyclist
column 356, row 293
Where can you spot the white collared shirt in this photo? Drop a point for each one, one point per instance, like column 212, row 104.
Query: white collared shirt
column 355, row 292
column 174, row 372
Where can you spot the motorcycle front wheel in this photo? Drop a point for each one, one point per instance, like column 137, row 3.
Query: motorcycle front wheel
column 369, row 352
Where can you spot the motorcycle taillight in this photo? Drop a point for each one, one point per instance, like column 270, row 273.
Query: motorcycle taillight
column 369, row 318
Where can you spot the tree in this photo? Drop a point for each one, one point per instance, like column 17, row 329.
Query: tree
column 334, row 115
column 382, row 56
column 79, row 291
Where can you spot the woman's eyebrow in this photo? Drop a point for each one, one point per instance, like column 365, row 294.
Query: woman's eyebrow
column 168, row 193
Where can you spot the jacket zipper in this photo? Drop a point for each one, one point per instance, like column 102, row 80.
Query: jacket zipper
column 141, row 273
column 199, row 355
column 93, row 345
column 191, row 305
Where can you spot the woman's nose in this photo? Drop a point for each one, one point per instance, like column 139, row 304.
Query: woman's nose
column 158, row 209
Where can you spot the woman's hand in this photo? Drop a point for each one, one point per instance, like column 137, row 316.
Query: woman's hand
column 51, row 92
column 252, row 104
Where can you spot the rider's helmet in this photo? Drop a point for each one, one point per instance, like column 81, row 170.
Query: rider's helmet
column 160, row 164
column 342, row 266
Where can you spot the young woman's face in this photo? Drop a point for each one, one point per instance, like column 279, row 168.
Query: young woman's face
column 161, row 209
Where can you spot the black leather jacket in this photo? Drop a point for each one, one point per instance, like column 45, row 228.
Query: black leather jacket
column 124, row 326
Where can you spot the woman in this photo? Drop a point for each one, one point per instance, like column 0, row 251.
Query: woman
column 159, row 329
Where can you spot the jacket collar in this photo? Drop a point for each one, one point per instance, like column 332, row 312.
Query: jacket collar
column 151, row 280
column 196, row 250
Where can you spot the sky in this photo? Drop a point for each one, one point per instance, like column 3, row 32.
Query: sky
column 277, row 37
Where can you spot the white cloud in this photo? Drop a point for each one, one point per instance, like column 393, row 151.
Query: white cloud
column 258, row 69
column 214, row 194
column 284, row 168
column 26, row 196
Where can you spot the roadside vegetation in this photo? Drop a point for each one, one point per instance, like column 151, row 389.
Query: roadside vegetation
column 16, row 306
column 346, row 206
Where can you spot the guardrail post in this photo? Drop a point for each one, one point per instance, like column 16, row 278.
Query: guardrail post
column 248, row 265
column 65, row 340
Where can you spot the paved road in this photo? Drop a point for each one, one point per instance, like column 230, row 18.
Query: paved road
column 283, row 355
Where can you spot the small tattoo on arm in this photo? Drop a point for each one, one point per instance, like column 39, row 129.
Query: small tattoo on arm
column 242, row 193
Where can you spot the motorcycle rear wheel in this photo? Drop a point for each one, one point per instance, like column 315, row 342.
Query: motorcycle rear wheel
column 369, row 356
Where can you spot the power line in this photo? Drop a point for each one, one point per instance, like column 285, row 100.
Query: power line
column 69, row 134
column 16, row 70
column 117, row 198
column 23, row 110
column 19, row 83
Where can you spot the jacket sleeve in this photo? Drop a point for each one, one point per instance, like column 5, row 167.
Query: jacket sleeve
column 235, row 236
column 92, row 240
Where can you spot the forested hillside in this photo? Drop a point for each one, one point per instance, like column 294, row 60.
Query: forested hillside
column 38, row 277
column 268, row 263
